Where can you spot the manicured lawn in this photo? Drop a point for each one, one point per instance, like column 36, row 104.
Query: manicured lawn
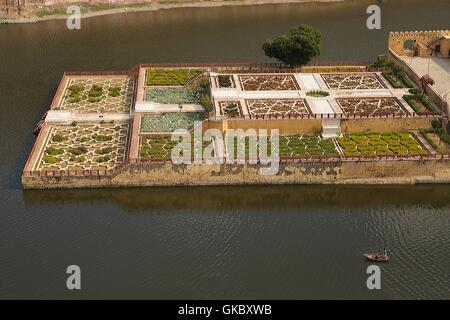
column 174, row 95
column 168, row 122
column 170, row 77
column 380, row 144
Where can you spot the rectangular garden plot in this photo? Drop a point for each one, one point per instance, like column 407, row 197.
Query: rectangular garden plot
column 169, row 122
column 170, row 77
column 382, row 144
column 268, row 82
column 231, row 109
column 98, row 95
column 279, row 107
column 376, row 107
column 352, row 81
column 160, row 147
column 298, row 146
column 179, row 95
column 84, row 147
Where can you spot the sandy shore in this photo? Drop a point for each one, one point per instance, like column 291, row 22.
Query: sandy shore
column 164, row 6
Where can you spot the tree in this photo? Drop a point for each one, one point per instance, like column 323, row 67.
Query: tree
column 296, row 48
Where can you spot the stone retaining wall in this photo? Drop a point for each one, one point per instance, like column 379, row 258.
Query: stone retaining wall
column 167, row 174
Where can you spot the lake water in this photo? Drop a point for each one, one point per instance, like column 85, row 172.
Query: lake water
column 208, row 242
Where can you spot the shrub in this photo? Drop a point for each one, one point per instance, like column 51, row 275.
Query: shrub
column 54, row 151
column 415, row 91
column 206, row 102
column 94, row 99
column 317, row 93
column 204, row 84
column 101, row 138
column 104, row 150
column 76, row 88
column 84, row 139
column 224, row 81
column 58, row 138
column 102, row 159
column 74, row 124
column 51, row 159
column 436, row 124
column 78, row 150
column 78, row 159
column 114, row 91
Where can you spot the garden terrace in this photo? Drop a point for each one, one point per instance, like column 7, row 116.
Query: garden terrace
column 268, row 82
column 160, row 147
column 370, row 144
column 295, row 146
column 279, row 107
column 352, row 81
column 105, row 94
column 83, row 147
column 374, row 107
column 231, row 109
column 171, row 95
column 170, row 77
column 169, row 122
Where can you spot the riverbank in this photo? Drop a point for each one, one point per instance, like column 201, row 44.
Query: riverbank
column 89, row 11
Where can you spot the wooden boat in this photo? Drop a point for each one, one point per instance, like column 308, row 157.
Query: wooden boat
column 379, row 257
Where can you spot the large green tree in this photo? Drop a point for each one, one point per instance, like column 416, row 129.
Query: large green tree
column 296, row 48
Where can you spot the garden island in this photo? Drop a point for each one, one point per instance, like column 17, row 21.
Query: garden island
column 384, row 122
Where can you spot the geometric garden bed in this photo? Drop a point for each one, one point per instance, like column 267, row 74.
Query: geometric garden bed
column 84, row 147
column 402, row 144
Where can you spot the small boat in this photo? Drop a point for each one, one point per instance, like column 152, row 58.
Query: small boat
column 379, row 257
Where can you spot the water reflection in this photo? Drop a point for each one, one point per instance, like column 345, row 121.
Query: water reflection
column 219, row 197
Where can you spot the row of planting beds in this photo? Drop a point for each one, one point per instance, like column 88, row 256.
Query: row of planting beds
column 170, row 77
column 169, row 122
column 161, row 148
column 396, row 76
column 419, row 101
column 178, row 95
column 381, row 144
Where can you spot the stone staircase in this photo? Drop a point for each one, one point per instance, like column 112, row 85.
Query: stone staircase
column 331, row 128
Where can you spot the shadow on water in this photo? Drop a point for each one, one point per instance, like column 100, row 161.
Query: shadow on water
column 229, row 197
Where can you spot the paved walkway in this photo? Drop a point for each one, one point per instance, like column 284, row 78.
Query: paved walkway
column 439, row 70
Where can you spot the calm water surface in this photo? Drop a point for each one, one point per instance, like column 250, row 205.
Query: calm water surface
column 215, row 242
